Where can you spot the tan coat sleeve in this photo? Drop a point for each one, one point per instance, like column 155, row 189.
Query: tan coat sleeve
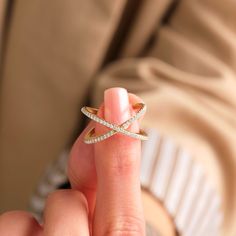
column 53, row 50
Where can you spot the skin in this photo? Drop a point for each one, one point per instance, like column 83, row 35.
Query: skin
column 105, row 198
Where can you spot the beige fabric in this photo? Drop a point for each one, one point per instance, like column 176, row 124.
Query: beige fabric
column 188, row 81
column 136, row 38
column 53, row 50
column 2, row 19
column 186, row 77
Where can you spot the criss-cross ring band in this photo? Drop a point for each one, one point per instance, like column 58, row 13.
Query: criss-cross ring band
column 91, row 113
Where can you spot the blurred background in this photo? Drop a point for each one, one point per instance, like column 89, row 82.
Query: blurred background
column 178, row 55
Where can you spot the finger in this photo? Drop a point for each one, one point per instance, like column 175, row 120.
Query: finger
column 117, row 160
column 133, row 99
column 19, row 223
column 66, row 213
column 81, row 168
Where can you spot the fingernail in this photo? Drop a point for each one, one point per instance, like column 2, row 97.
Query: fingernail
column 116, row 105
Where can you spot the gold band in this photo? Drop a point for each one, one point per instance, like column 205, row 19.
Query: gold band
column 90, row 137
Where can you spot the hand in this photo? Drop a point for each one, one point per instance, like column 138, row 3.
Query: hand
column 105, row 198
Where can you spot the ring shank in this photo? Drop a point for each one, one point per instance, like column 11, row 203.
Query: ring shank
column 91, row 113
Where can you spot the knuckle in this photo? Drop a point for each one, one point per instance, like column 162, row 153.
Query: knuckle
column 78, row 181
column 12, row 215
column 24, row 219
column 126, row 226
column 79, row 197
column 67, row 196
column 59, row 195
column 55, row 196
column 124, row 162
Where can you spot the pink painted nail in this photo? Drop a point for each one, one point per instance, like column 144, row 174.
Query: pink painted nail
column 116, row 105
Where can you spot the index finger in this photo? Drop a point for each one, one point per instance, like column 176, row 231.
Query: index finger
column 117, row 160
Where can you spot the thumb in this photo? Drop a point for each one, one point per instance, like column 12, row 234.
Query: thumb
column 117, row 160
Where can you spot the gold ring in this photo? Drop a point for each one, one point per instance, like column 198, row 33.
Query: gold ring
column 90, row 137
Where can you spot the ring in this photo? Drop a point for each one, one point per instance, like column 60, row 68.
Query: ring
column 91, row 113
